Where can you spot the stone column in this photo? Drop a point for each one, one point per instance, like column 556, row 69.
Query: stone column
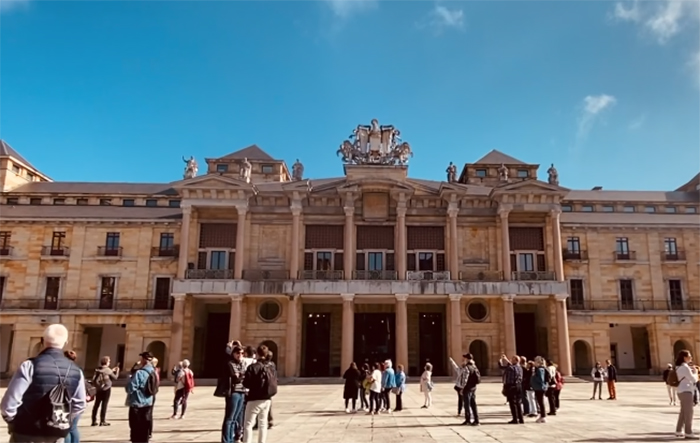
column 456, row 326
column 294, row 261
column 453, row 266
column 509, row 324
column 349, row 244
column 348, row 334
column 401, row 330
column 184, row 242
column 234, row 325
column 563, row 335
column 400, row 252
column 290, row 362
column 240, row 243
column 558, row 254
column 176, row 328
column 505, row 244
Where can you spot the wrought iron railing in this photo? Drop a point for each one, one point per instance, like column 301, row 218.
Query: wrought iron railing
column 101, row 304
column 673, row 256
column 574, row 255
column 428, row 275
column 171, row 251
column 53, row 251
column 481, row 275
column 109, row 251
column 625, row 255
column 533, row 276
column 320, row 275
column 265, row 274
column 374, row 275
column 634, row 305
column 209, row 274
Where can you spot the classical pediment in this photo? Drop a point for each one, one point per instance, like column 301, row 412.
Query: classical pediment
column 529, row 186
column 212, row 181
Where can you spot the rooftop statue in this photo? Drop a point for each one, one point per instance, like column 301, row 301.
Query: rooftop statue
column 553, row 175
column 451, row 173
column 503, row 173
column 246, row 170
column 297, row 171
column 375, row 144
column 191, row 167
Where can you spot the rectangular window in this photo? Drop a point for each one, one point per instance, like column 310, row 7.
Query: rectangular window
column 526, row 262
column 426, row 261
column 59, row 201
column 628, row 209
column 151, row 202
column 30, row 176
column 587, row 208
column 53, row 286
column 82, row 202
column 613, row 354
column 128, row 202
column 108, row 287
column 267, row 169
column 608, row 208
column 671, row 209
column 691, row 210
column 670, row 247
column 523, row 173
column 16, row 169
column 649, row 209
column 2, row 287
column 57, row 241
column 174, row 203
column 217, row 259
column 35, row 201
column 167, row 241
column 576, row 299
column 105, row 202
column 675, row 294
column 222, row 167
column 626, row 295
column 324, row 261
column 566, row 208
column 161, row 299
column 481, row 172
column 375, row 261
column 12, row 201
column 112, row 243
column 5, row 237
column 573, row 245
column 622, row 248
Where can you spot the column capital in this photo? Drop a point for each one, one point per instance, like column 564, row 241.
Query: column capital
column 504, row 209
column 508, row 297
column 452, row 211
column 401, row 297
column 349, row 211
column 295, row 207
column 178, row 296
column 401, row 209
column 347, row 297
column 561, row 297
column 236, row 297
column 455, row 297
column 555, row 212
column 186, row 210
column 242, row 210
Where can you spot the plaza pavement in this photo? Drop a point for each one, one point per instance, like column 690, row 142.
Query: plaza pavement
column 315, row 414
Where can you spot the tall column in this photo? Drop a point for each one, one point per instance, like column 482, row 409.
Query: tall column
column 294, row 262
column 505, row 244
column 290, row 362
column 401, row 251
column 240, row 243
column 563, row 333
column 234, row 325
column 558, row 254
column 348, row 335
column 184, row 242
column 509, row 324
column 456, row 326
column 402, row 329
column 349, row 244
column 452, row 213
column 176, row 328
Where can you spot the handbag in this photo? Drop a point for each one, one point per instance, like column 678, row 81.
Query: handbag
column 396, row 391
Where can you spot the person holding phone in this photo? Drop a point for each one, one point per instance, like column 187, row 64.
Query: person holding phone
column 102, row 380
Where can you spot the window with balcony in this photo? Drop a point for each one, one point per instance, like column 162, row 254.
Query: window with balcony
column 374, row 259
column 622, row 248
column 58, row 240
column 527, row 258
column 166, row 246
column 53, row 287
column 675, row 294
column 5, row 237
column 626, row 295
column 217, row 247
column 481, row 173
column 670, row 248
column 426, row 253
column 324, row 261
column 161, row 296
column 108, row 289
column 218, row 260
column 576, row 299
column 111, row 247
column 573, row 249
column 323, row 253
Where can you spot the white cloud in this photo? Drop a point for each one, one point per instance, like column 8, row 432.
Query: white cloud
column 626, row 14
column 662, row 20
column 8, row 5
column 593, row 106
column 666, row 23
column 637, row 122
column 347, row 8
column 694, row 66
column 441, row 17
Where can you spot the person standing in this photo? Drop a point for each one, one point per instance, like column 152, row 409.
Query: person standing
column 426, row 385
column 512, row 387
column 230, row 386
column 375, row 390
column 539, row 384
column 460, row 380
column 261, row 381
column 103, row 378
column 32, row 381
column 612, row 379
column 469, row 392
column 141, row 391
column 400, row 387
column 184, row 386
column 598, row 374
column 530, row 396
column 388, row 383
column 364, row 401
column 670, row 388
column 687, row 376
column 352, row 387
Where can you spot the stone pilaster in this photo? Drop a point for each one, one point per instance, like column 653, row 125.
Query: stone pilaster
column 184, row 242
column 291, row 339
column 563, row 335
column 348, row 332
column 176, row 331
column 402, row 329
column 234, row 326
column 240, row 242
column 509, row 324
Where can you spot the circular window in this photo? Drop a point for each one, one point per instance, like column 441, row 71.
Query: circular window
column 269, row 310
column 477, row 310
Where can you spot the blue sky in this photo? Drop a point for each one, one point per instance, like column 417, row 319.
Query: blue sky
column 120, row 91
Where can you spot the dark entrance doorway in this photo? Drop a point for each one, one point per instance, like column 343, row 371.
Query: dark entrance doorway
column 480, row 352
column 526, row 334
column 214, row 356
column 374, row 338
column 317, row 342
column 431, row 342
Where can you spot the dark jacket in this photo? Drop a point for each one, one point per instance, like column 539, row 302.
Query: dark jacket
column 47, row 367
column 612, row 373
column 104, row 375
column 471, row 378
column 353, row 381
column 253, row 381
column 665, row 375
column 527, row 375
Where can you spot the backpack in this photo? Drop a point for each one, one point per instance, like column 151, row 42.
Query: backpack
column 268, row 379
column 673, row 378
column 55, row 406
column 474, row 377
column 188, row 381
column 99, row 381
column 151, row 387
column 547, row 377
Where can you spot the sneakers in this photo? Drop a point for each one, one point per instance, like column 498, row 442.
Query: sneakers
column 347, row 410
column 541, row 420
column 104, row 423
column 692, row 437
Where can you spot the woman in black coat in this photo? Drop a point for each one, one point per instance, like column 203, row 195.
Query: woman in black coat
column 352, row 385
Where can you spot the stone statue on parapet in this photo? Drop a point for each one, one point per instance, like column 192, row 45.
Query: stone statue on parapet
column 451, row 173
column 191, row 167
column 297, row 171
column 375, row 144
column 553, row 175
column 246, row 170
column 503, row 173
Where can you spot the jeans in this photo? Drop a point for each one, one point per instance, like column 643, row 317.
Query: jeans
column 470, row 405
column 101, row 402
column 374, row 401
column 233, row 420
column 515, row 401
column 399, row 402
column 140, row 423
column 532, row 402
column 387, row 398
column 73, row 435
column 539, row 397
column 526, row 404
column 598, row 384
column 460, row 401
column 363, row 398
column 256, row 410
column 180, row 399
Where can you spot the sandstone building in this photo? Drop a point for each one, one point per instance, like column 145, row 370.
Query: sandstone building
column 369, row 265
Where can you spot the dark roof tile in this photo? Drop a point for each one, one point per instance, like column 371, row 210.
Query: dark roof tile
column 252, row 152
column 7, row 151
column 115, row 213
column 96, row 188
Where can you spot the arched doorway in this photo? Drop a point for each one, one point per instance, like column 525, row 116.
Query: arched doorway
column 480, row 352
column 272, row 347
column 583, row 361
column 678, row 346
column 157, row 348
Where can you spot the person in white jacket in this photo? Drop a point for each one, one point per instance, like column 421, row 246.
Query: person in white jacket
column 687, row 374
column 598, row 373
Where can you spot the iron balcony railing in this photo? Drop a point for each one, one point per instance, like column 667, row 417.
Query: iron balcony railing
column 55, row 251
column 673, row 256
column 428, row 275
column 625, row 255
column 209, row 274
column 481, row 275
column 375, row 275
column 6, row 250
column 101, row 304
column 109, row 251
column 572, row 255
column 265, row 274
column 533, row 276
column 170, row 251
column 320, row 275
column 633, row 305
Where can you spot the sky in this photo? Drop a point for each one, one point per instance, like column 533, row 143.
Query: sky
column 121, row 90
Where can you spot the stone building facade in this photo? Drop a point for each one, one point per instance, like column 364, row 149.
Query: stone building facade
column 370, row 265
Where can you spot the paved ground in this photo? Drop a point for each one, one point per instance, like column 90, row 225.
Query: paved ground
column 315, row 414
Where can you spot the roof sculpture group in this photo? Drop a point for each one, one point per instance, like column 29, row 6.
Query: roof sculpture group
column 375, row 145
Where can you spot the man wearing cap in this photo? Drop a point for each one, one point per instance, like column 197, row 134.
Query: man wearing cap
column 140, row 404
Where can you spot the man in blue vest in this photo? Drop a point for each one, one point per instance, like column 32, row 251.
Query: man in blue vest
column 140, row 400
column 25, row 405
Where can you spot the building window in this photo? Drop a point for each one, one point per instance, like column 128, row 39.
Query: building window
column 57, row 241
column 587, row 208
column 128, row 202
column 174, row 203
column 35, row 201
column 82, row 202
column 267, row 169
column 269, row 310
column 167, row 241
column 108, row 287
column 671, row 248
column 16, row 169
column 481, row 173
column 30, row 176
column 217, row 260
column 566, row 208
column 161, row 297
column 222, row 167
column 575, row 299
column 573, row 245
column 375, row 261
column 426, row 261
column 622, row 248
column 675, row 294
column 628, row 209
column 649, row 209
column 608, row 208
column 151, row 202
column 626, row 295
column 523, row 173
column 53, row 286
column 691, row 210
column 3, row 279
column 526, row 262
column 105, row 202
column 112, row 243
column 324, row 261
column 477, row 311
column 5, row 237
column 671, row 209
column 12, row 201
column 59, row 201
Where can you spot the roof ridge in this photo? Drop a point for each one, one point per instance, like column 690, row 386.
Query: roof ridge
column 497, row 157
column 252, row 152
column 9, row 151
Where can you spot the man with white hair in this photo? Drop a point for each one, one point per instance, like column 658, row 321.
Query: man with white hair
column 184, row 385
column 26, row 407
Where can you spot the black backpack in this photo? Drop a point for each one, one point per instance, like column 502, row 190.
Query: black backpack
column 55, row 407
column 151, row 387
column 474, row 377
column 268, row 378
